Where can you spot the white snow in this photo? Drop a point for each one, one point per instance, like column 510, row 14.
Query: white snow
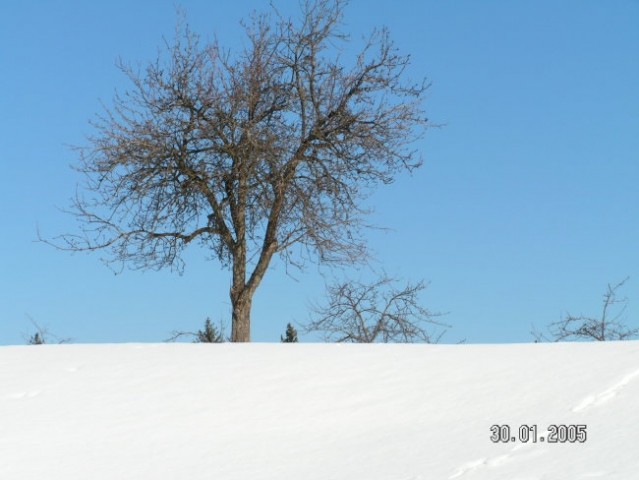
column 316, row 411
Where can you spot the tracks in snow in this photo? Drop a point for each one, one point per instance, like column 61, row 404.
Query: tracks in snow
column 522, row 451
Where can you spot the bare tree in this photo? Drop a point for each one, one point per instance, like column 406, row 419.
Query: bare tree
column 269, row 151
column 608, row 326
column 374, row 312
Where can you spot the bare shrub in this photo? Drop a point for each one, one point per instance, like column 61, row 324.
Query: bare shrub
column 610, row 325
column 374, row 312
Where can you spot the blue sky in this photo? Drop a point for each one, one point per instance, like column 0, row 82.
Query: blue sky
column 526, row 206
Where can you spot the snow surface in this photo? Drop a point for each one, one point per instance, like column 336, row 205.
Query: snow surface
column 315, row 411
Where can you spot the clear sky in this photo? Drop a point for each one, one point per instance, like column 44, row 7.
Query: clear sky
column 526, row 207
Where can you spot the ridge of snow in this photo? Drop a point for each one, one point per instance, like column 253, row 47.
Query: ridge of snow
column 315, row 411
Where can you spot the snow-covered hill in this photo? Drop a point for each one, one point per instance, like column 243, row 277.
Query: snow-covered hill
column 318, row 411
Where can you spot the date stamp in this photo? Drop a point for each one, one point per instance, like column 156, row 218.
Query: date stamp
column 529, row 434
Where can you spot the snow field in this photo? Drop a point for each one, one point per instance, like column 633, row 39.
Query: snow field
column 315, row 411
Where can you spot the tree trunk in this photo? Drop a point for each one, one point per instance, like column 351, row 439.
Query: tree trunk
column 241, row 320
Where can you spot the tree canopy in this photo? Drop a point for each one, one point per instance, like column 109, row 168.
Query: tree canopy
column 268, row 150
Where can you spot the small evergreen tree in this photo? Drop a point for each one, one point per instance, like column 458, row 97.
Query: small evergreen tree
column 43, row 336
column 36, row 339
column 210, row 334
column 291, row 335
